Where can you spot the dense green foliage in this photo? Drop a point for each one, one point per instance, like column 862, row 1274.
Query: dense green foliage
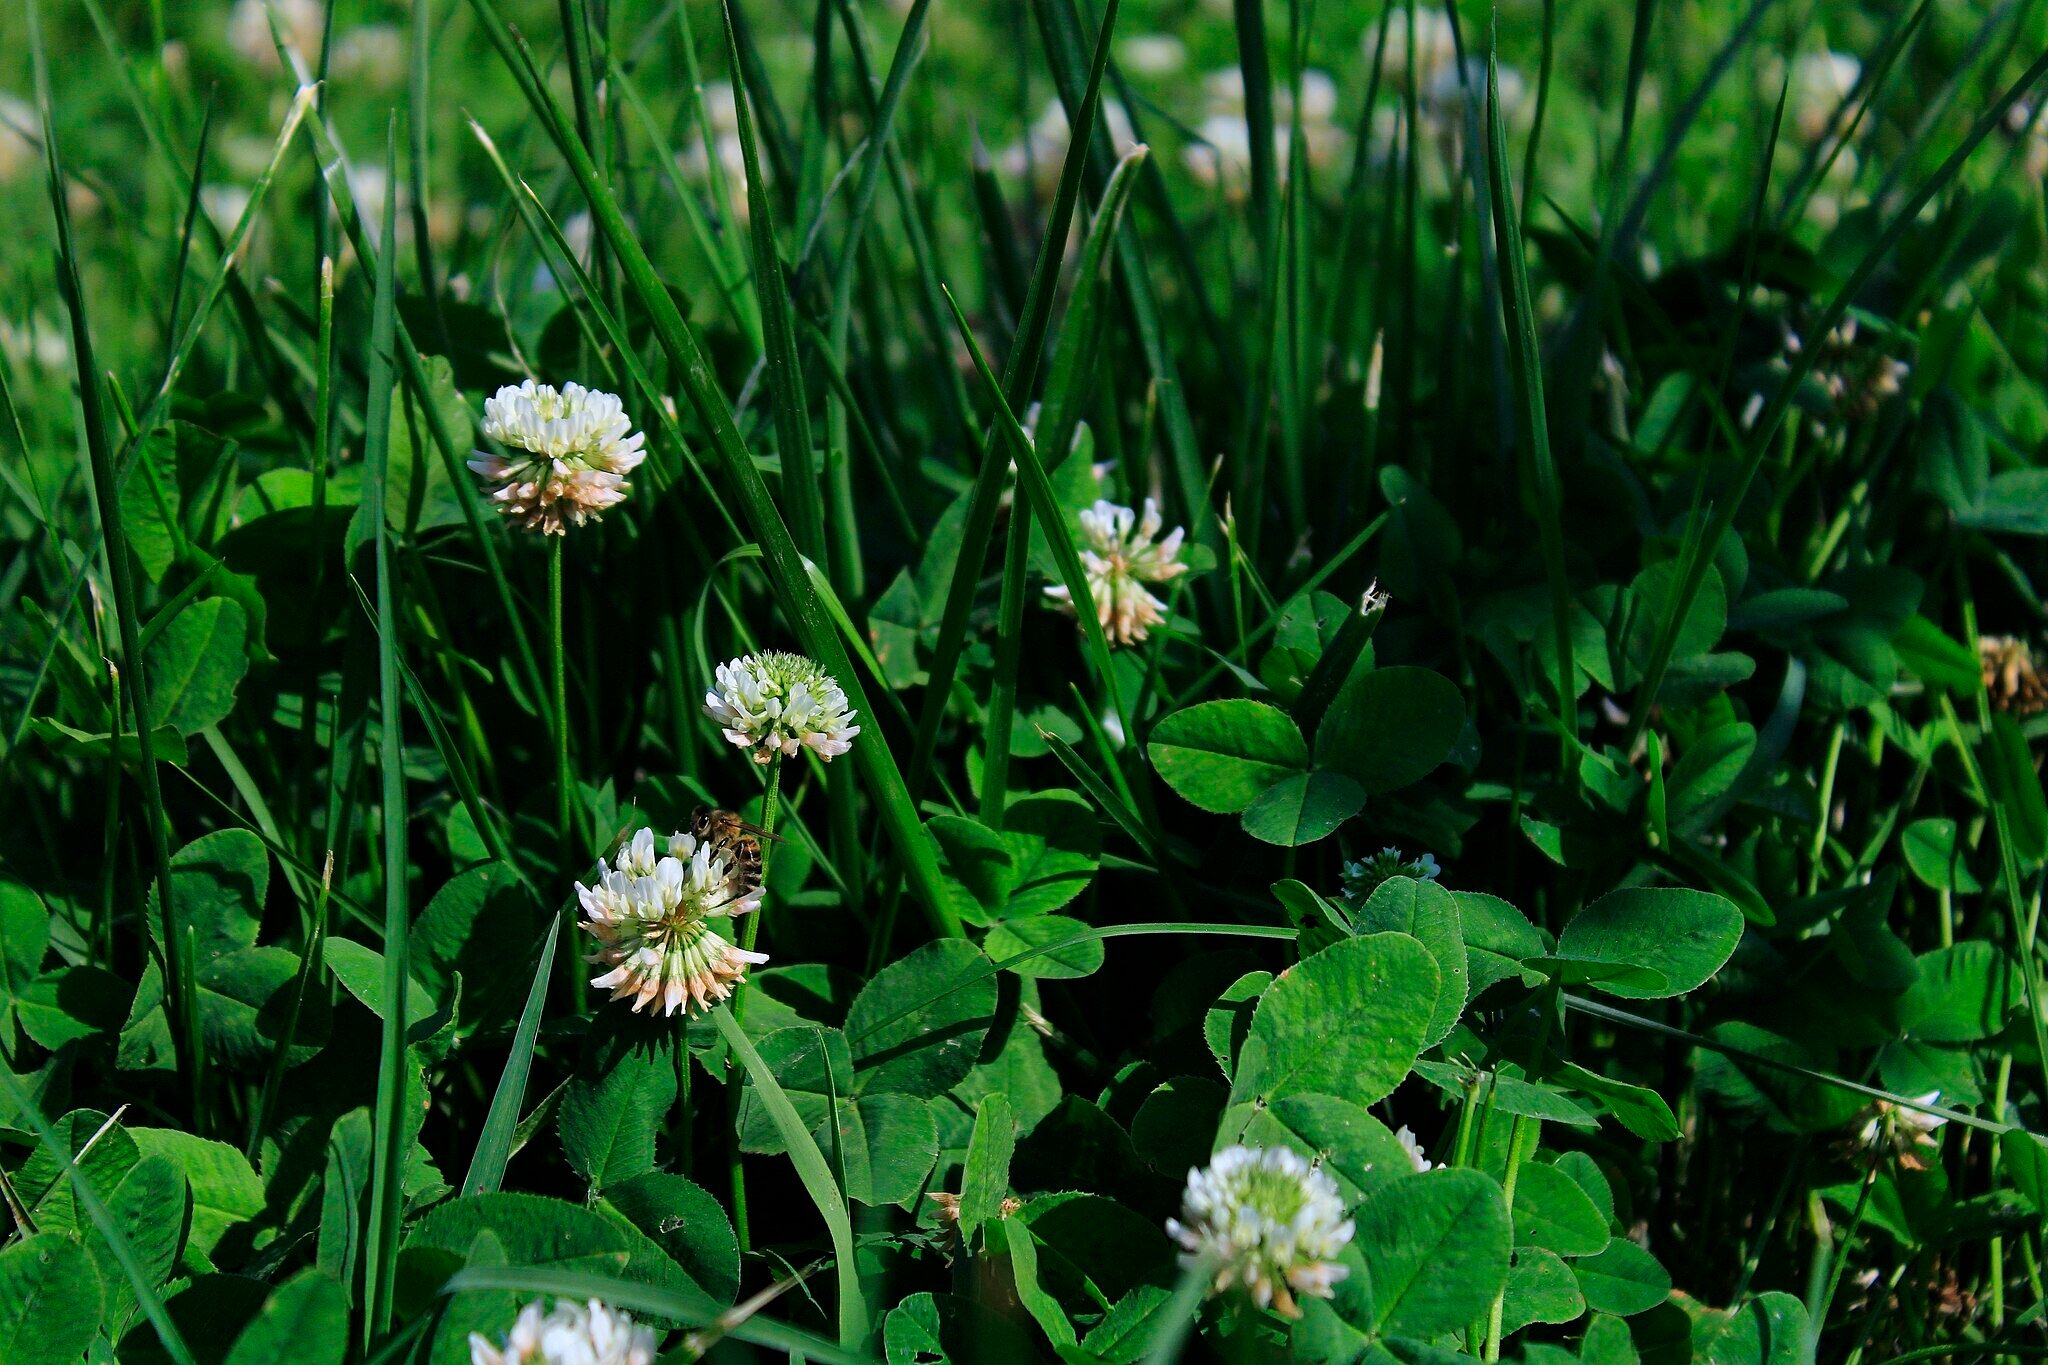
column 1558, row 752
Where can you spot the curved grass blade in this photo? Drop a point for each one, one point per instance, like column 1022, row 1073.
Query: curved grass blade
column 810, row 1169
column 494, row 1143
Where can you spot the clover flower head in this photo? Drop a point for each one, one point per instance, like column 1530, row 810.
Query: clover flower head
column 1267, row 1220
column 650, row 912
column 301, row 22
column 572, row 1334
column 779, row 704
column 1409, row 1144
column 568, row 452
column 1907, row 1135
column 1363, row 877
column 1121, row 551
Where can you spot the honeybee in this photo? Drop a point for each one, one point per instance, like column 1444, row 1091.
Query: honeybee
column 739, row 840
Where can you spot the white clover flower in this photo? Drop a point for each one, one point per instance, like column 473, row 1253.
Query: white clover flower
column 1820, row 82
column 1042, row 151
column 569, row 451
column 573, row 1334
column 1122, row 553
column 1409, row 1144
column 1902, row 1133
column 780, row 704
column 1363, row 877
column 1435, row 46
column 1267, row 1220
column 651, row 913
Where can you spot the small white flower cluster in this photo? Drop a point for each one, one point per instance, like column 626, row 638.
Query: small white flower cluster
column 1122, row 552
column 778, row 705
column 1223, row 156
column 570, row 450
column 651, row 917
column 1266, row 1220
column 1906, row 1135
column 1442, row 85
column 572, row 1334
column 1363, row 877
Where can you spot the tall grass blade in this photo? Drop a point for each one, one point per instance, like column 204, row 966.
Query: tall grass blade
column 388, row 1160
column 811, row 1169
column 501, row 1123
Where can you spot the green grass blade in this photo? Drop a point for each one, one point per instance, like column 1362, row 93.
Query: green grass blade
column 811, row 1169
column 1526, row 365
column 1045, row 505
column 388, row 1160
column 494, row 1143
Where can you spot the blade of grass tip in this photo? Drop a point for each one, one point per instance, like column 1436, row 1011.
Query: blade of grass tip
column 1058, row 419
column 388, row 1164
column 785, row 567
column 785, row 371
column 140, row 1278
column 846, row 556
column 494, row 1140
column 1526, row 365
column 1820, row 156
column 1045, row 504
column 811, row 1170
column 1020, row 372
column 1765, row 430
column 181, row 995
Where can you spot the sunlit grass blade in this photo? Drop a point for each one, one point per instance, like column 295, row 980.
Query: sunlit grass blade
column 811, row 1169
column 501, row 1122
column 785, row 565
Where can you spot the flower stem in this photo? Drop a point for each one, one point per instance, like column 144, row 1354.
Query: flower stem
column 558, row 707
column 749, row 933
